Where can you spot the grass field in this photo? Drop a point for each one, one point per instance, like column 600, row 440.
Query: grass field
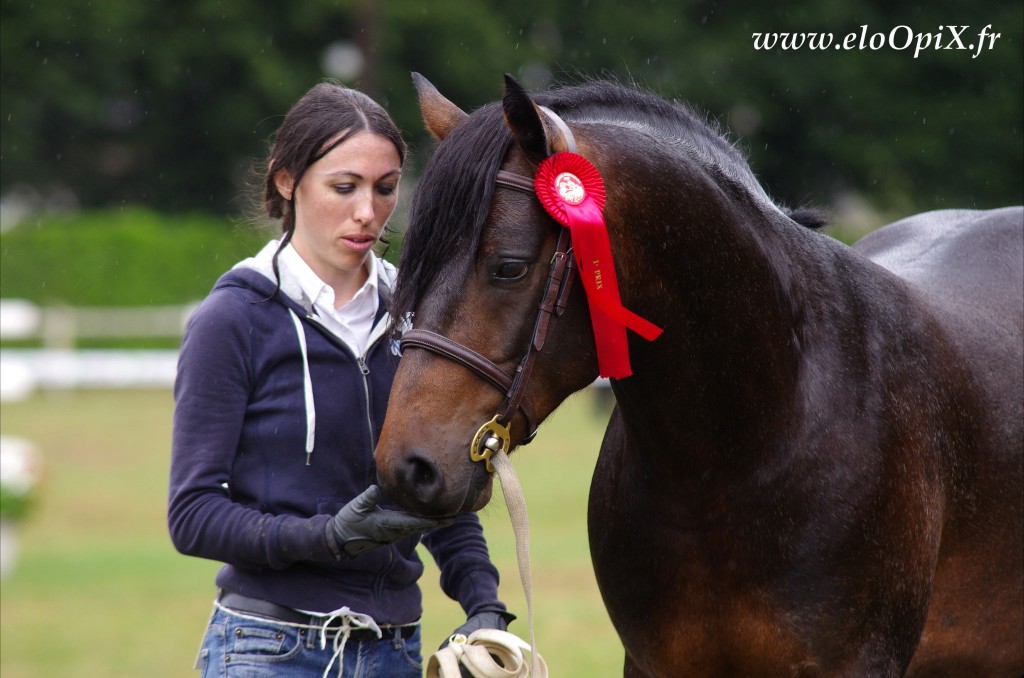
column 100, row 592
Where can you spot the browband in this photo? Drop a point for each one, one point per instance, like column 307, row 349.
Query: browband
column 517, row 182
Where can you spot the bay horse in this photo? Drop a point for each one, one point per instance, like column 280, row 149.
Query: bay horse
column 816, row 469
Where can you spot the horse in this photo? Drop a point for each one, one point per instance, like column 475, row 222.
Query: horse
column 815, row 469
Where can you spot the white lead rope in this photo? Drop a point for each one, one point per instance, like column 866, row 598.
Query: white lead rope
column 475, row 652
column 516, row 504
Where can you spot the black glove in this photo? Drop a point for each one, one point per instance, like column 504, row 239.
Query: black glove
column 362, row 525
column 485, row 619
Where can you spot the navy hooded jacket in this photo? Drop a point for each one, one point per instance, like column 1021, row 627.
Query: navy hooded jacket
column 275, row 425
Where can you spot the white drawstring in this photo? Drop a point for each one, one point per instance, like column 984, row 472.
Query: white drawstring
column 350, row 621
column 307, row 388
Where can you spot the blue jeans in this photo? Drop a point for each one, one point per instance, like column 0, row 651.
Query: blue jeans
column 236, row 647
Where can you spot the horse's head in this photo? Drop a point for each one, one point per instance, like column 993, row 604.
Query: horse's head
column 481, row 256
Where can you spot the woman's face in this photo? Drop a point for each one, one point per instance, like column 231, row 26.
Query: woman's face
column 342, row 203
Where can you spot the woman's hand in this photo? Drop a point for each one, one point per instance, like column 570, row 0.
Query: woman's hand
column 362, row 525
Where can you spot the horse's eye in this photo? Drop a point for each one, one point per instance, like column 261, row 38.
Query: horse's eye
column 511, row 271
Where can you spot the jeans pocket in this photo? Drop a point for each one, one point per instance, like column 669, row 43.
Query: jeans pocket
column 258, row 641
column 411, row 650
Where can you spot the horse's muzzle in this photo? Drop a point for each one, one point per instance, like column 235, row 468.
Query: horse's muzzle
column 418, row 483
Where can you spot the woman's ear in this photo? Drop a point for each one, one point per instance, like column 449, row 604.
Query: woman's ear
column 284, row 183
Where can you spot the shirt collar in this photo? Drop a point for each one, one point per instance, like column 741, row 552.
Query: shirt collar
column 313, row 288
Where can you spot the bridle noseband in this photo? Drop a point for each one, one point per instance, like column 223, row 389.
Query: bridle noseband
column 495, row 435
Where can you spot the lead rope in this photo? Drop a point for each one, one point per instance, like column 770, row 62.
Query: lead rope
column 475, row 652
column 516, row 504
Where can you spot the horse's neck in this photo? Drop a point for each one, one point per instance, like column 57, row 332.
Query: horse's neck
column 724, row 373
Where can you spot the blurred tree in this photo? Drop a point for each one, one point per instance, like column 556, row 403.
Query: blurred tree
column 167, row 103
column 160, row 102
column 937, row 130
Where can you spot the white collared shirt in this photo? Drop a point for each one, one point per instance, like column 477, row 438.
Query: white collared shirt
column 353, row 322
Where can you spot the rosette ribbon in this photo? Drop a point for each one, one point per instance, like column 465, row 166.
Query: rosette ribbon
column 571, row 190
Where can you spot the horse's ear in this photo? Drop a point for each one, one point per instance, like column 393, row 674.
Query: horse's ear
column 439, row 115
column 536, row 135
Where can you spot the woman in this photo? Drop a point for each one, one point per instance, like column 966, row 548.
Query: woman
column 283, row 379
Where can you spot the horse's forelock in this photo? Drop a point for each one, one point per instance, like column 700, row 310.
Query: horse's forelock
column 451, row 203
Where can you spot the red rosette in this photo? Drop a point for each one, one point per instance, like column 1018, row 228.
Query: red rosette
column 571, row 190
column 565, row 182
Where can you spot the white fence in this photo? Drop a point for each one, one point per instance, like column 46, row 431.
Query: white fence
column 62, row 326
column 57, row 364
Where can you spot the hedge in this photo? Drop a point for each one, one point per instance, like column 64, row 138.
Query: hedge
column 125, row 257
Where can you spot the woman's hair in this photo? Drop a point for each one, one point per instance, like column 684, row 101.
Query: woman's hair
column 309, row 132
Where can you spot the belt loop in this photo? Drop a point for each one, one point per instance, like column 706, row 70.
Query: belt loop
column 310, row 636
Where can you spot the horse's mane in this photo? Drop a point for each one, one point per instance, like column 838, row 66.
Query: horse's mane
column 454, row 194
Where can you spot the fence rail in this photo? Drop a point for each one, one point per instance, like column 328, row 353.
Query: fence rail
column 60, row 327
column 57, row 364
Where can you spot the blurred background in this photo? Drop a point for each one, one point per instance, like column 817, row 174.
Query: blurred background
column 128, row 137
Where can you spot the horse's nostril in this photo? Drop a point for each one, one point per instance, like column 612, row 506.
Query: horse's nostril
column 423, row 471
column 421, row 478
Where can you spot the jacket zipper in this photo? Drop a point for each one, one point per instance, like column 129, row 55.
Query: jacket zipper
column 364, row 371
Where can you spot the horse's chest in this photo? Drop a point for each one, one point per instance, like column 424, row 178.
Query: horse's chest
column 680, row 621
column 676, row 617
column 679, row 595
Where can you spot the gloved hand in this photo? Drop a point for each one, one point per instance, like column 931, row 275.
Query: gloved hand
column 362, row 525
column 485, row 619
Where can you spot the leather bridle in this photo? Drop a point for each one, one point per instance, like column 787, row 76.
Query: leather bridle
column 495, row 434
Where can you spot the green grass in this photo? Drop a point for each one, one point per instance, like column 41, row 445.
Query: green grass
column 100, row 592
